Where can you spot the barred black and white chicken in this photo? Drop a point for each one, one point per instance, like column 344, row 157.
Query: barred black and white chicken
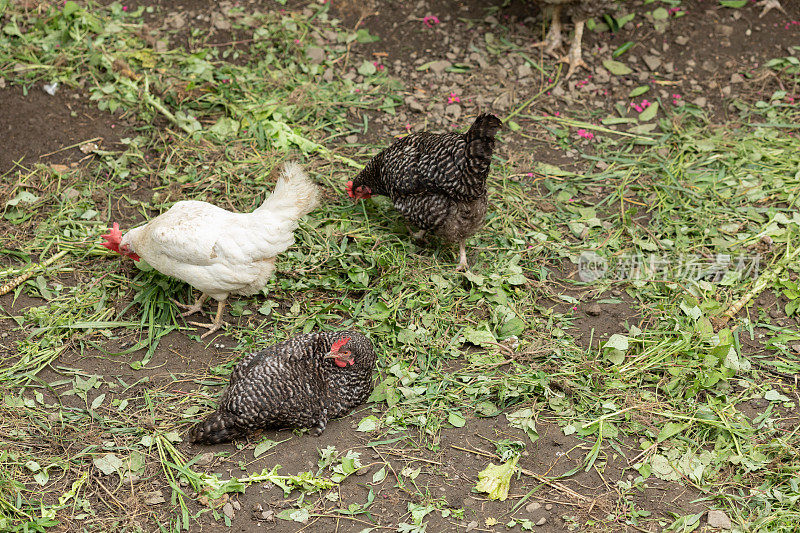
column 436, row 181
column 301, row 382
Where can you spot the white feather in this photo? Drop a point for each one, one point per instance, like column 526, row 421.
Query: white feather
column 220, row 252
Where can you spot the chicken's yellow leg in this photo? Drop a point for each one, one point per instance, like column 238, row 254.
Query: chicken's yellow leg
column 192, row 309
column 462, row 256
column 215, row 325
column 769, row 5
column 553, row 38
column 575, row 56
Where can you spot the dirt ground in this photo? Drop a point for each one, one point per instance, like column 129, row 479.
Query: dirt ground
column 702, row 57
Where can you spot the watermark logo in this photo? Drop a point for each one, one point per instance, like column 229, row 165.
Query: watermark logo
column 721, row 268
column 591, row 267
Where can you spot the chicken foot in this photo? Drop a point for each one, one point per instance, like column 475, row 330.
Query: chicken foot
column 192, row 309
column 215, row 325
column 462, row 256
column 575, row 56
column 769, row 5
column 553, row 38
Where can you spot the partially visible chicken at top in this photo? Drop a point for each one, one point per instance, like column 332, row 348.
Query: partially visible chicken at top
column 769, row 5
column 220, row 252
column 579, row 11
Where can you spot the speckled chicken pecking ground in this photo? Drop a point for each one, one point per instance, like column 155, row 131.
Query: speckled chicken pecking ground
column 437, row 181
column 301, row 382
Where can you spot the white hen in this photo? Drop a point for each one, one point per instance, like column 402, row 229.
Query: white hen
column 219, row 252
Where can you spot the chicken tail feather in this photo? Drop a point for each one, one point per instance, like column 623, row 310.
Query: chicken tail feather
column 294, row 193
column 218, row 427
column 480, row 137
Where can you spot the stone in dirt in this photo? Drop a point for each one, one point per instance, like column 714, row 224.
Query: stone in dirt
column 228, row 511
column 453, row 110
column 594, row 309
column 414, row 104
column 719, row 519
column 652, row 62
column 438, row 67
column 533, row 506
column 205, row 459
column 315, row 54
column 154, row 498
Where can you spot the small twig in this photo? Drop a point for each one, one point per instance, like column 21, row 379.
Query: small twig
column 22, row 278
column 76, row 145
column 409, row 458
column 121, row 505
column 761, row 283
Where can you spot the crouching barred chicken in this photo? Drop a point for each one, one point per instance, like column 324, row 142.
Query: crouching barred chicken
column 301, row 382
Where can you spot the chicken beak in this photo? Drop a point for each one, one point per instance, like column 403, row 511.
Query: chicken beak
column 340, row 359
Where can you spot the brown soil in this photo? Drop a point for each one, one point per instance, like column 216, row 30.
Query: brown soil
column 37, row 127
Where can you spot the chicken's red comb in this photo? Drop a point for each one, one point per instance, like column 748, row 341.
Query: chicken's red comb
column 112, row 238
column 350, row 189
column 338, row 344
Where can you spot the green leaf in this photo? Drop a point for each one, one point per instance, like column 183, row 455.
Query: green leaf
column 97, row 402
column 670, row 430
column 108, row 463
column 380, row 475
column 367, row 68
column 41, row 477
column 296, row 515
column 364, row 36
column 263, row 446
column 487, row 408
column 693, row 312
column 660, row 14
column 662, row 468
column 479, row 337
column 616, row 68
column 774, row 396
column 649, row 113
column 369, row 423
column 513, row 327
column 622, row 49
column 23, row 196
column 524, row 420
column 225, row 127
column 456, row 419
column 638, row 91
column 736, row 4
column 618, row 342
column 495, row 480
